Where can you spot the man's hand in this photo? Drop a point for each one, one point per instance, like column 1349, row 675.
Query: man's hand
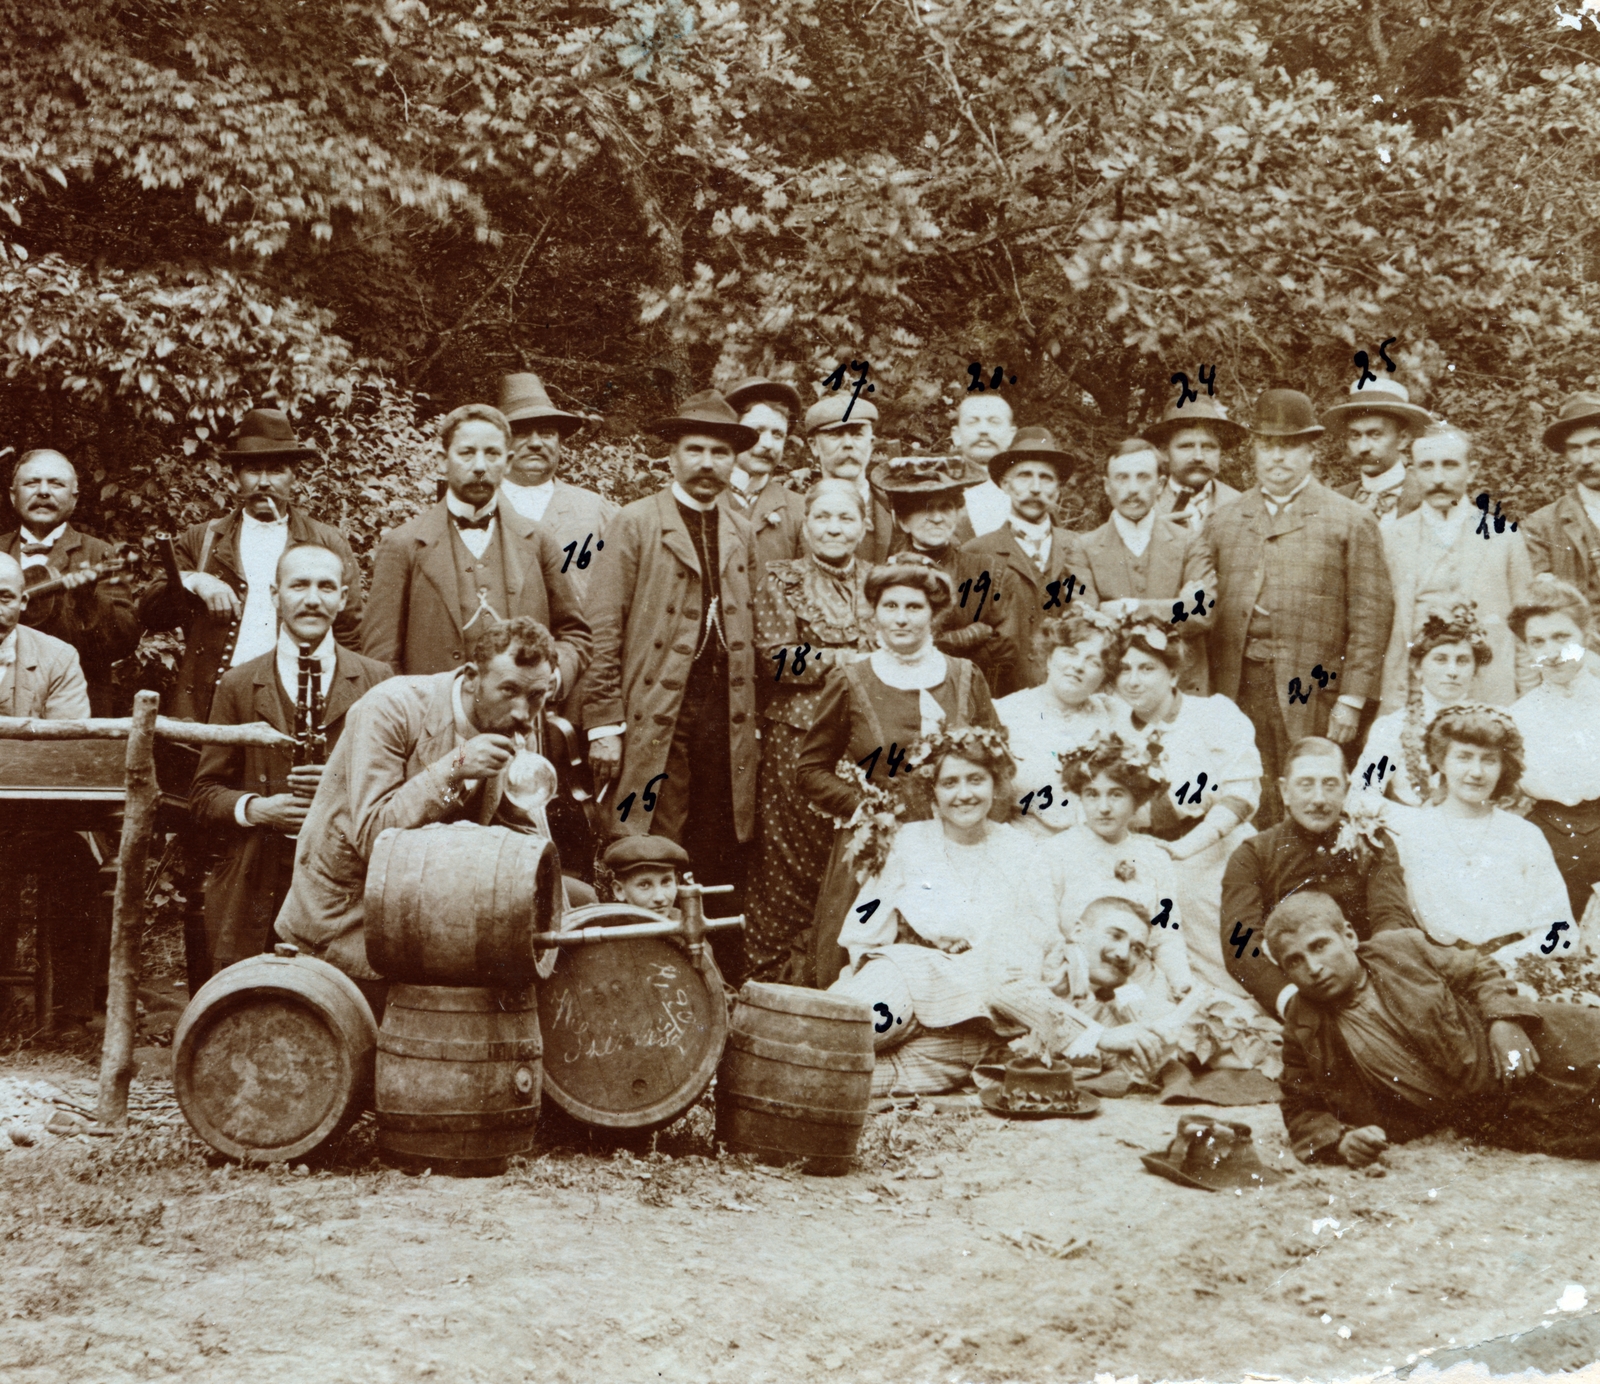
column 482, row 756
column 1134, row 1039
column 605, row 758
column 1515, row 1057
column 217, row 594
column 281, row 812
column 1343, row 722
column 303, row 780
column 1362, row 1146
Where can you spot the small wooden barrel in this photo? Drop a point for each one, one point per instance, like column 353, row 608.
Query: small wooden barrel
column 458, row 904
column 635, row 1030
column 797, row 1077
column 457, row 1078
column 274, row 1056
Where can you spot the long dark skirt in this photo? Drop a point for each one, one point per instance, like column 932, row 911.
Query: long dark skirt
column 1574, row 837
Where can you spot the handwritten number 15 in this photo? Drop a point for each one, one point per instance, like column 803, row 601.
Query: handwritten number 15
column 626, row 805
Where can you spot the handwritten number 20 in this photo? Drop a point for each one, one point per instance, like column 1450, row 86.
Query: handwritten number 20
column 626, row 805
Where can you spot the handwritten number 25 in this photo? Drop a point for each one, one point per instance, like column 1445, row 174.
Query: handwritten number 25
column 626, row 805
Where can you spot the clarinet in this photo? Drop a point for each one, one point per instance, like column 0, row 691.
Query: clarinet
column 310, row 740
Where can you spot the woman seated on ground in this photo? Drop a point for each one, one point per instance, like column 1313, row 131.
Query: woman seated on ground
column 1444, row 659
column 1560, row 724
column 1479, row 877
column 1064, row 712
column 955, row 902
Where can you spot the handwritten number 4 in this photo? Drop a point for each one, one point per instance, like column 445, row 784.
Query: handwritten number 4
column 1239, row 943
column 585, row 557
column 626, row 805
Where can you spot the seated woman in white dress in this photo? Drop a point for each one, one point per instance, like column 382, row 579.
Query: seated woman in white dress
column 1066, row 710
column 1479, row 876
column 1444, row 658
column 1214, row 775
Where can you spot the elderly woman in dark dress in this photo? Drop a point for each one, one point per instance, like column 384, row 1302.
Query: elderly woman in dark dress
column 812, row 618
column 875, row 710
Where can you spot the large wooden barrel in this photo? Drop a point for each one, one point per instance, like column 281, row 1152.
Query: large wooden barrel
column 458, row 904
column 634, row 1029
column 457, row 1078
column 274, row 1056
column 796, row 1079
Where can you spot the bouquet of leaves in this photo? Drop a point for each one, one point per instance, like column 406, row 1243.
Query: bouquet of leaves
column 1361, row 826
column 872, row 826
column 1561, row 979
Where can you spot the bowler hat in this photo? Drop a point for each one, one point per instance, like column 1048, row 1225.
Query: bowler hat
column 828, row 412
column 923, row 475
column 266, row 434
column 1025, row 1088
column 523, row 399
column 1382, row 396
column 707, row 412
column 1205, row 410
column 760, row 390
column 1211, row 1154
column 1032, row 444
column 1579, row 411
column 635, row 852
column 1285, row 413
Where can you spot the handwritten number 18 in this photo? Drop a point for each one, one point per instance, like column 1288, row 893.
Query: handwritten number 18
column 796, row 666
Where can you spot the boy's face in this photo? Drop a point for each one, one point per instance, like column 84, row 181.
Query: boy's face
column 1320, row 958
column 653, row 887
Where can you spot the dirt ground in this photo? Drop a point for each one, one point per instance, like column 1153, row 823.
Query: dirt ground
column 965, row 1247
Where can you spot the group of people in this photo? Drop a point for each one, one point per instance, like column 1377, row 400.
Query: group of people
column 1006, row 783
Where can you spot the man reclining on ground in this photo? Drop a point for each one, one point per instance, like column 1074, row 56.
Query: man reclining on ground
column 1398, row 1036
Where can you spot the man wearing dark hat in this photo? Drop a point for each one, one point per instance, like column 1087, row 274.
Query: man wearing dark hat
column 1564, row 537
column 1379, row 420
column 1029, row 553
column 670, row 702
column 774, row 511
column 1303, row 586
column 470, row 561
column 99, row 620
column 569, row 513
column 1192, row 439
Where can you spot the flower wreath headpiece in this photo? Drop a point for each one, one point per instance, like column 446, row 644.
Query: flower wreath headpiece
column 1138, row 753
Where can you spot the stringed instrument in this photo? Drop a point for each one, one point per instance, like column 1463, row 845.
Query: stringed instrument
column 81, row 576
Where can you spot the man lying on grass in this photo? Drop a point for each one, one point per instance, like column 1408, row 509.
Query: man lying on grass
column 1395, row 1037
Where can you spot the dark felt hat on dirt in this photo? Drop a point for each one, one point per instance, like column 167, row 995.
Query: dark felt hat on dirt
column 524, row 399
column 1211, row 1154
column 1024, row 1088
column 707, row 413
column 1205, row 410
column 636, row 852
column 1032, row 444
column 265, row 434
column 760, row 390
column 1579, row 411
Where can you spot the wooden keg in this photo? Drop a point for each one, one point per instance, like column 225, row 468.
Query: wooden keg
column 796, row 1079
column 457, row 1078
column 274, row 1056
column 635, row 1029
column 458, row 904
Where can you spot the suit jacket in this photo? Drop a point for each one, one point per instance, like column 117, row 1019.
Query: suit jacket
column 573, row 515
column 209, row 638
column 777, row 519
column 1024, row 596
column 389, row 769
column 645, row 605
column 1410, row 494
column 1494, row 572
column 1334, row 604
column 1563, row 540
column 99, row 621
column 46, row 681
column 1222, row 495
column 1177, row 565
column 247, row 886
column 413, row 619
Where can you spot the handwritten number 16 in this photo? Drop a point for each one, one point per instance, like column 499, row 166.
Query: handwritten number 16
column 585, row 557
column 626, row 805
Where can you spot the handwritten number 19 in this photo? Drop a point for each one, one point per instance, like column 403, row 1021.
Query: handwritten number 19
column 980, row 588
column 626, row 805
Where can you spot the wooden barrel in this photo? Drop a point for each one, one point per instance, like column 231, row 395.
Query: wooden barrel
column 457, row 904
column 274, row 1056
column 796, row 1079
column 457, row 1078
column 635, row 1030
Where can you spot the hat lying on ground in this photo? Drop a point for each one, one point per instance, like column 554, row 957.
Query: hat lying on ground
column 828, row 412
column 637, row 852
column 1202, row 410
column 523, row 399
column 1382, row 396
column 1032, row 444
column 1024, row 1088
column 1211, row 1154
column 707, row 413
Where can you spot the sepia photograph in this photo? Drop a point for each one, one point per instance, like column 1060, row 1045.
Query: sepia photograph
column 765, row 693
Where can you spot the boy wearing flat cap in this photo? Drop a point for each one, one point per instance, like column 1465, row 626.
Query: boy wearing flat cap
column 646, row 871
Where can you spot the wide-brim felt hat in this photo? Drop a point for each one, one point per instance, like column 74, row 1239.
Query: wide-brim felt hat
column 1212, row 1155
column 923, row 475
column 265, row 434
column 523, row 399
column 709, row 413
column 760, row 390
column 1285, row 413
column 1032, row 444
column 1025, row 1088
column 1205, row 410
column 829, row 411
column 1579, row 411
column 1382, row 396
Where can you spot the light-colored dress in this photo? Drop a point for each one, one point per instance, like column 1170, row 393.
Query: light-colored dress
column 1561, row 741
column 1385, row 755
column 1042, row 729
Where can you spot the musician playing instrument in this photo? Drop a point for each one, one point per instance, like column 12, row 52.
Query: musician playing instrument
column 255, row 799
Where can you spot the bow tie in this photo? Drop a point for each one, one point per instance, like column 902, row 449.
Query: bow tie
column 1182, row 498
column 35, row 549
column 462, row 522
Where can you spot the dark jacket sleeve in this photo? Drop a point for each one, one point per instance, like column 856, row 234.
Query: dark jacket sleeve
column 1388, row 906
column 385, row 616
column 1243, row 906
column 826, row 743
column 1314, row 1130
column 1199, row 574
column 574, row 641
column 610, row 599
column 217, row 785
column 1078, row 566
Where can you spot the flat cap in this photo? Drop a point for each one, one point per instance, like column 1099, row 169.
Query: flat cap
column 828, row 412
column 632, row 852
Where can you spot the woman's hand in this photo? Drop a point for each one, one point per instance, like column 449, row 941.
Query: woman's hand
column 955, row 946
column 1515, row 1057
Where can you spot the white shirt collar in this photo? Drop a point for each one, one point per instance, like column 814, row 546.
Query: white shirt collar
column 1275, row 504
column 544, row 488
column 288, row 661
column 1446, row 526
column 747, row 485
column 688, row 501
column 1136, row 537
column 1590, row 500
column 1028, row 530
column 466, row 511
column 254, row 525
column 1392, row 479
column 52, row 538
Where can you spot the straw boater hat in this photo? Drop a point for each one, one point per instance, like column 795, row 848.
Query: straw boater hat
column 760, row 390
column 523, row 400
column 265, row 434
column 827, row 414
column 1285, row 413
column 1205, row 410
column 1382, row 396
column 1211, row 1154
column 708, row 413
column 923, row 475
column 1032, row 444
column 1579, row 411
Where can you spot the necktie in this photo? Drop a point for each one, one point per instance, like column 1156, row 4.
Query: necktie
column 462, row 522
column 1381, row 502
column 36, row 549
